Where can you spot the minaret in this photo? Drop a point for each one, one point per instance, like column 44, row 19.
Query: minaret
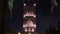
column 29, row 16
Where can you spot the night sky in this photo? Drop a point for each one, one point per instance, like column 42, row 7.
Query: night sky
column 44, row 18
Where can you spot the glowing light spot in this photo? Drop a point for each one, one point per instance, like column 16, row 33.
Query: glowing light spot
column 24, row 26
column 34, row 25
column 32, row 29
column 34, row 4
column 19, row 33
column 24, row 4
column 29, row 33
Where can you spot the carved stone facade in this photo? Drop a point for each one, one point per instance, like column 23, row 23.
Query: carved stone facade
column 29, row 15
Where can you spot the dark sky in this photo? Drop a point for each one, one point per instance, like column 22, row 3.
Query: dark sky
column 44, row 19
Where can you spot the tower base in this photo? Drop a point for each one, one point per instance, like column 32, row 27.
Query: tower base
column 29, row 33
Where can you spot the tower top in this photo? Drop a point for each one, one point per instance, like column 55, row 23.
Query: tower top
column 29, row 1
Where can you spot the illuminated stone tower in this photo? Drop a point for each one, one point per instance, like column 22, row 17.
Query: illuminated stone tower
column 29, row 16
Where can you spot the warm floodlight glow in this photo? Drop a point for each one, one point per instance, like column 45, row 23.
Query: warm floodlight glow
column 29, row 33
column 19, row 33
